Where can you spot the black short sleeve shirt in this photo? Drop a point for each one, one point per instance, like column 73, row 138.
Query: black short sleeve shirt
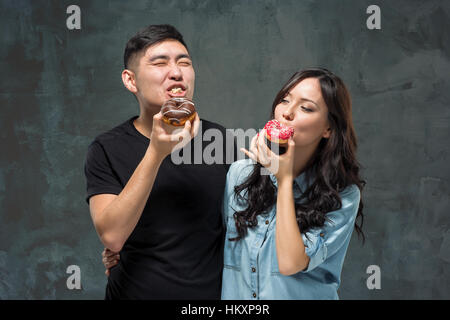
column 176, row 248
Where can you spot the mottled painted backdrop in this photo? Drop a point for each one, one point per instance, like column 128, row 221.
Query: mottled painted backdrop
column 60, row 88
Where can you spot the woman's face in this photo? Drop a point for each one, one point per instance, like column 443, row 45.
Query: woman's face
column 304, row 109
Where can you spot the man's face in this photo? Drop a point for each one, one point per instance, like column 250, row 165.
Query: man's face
column 164, row 71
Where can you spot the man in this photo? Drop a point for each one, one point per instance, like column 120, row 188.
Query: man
column 164, row 218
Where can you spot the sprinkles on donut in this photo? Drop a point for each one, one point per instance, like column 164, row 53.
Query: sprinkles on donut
column 277, row 134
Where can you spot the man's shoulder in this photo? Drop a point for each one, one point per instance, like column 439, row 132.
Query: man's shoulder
column 112, row 135
column 206, row 124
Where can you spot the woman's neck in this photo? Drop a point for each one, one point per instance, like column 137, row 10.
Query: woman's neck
column 302, row 156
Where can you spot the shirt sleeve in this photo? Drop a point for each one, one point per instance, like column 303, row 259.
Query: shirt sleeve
column 228, row 193
column 238, row 172
column 326, row 241
column 230, row 149
column 100, row 177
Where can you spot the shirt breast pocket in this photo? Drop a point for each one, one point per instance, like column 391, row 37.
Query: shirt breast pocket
column 233, row 249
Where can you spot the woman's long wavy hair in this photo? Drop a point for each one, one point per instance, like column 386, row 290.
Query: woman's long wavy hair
column 333, row 166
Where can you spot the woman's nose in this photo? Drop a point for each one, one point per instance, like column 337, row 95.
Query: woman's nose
column 288, row 114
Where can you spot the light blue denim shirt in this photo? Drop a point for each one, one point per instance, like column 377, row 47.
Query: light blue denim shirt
column 251, row 266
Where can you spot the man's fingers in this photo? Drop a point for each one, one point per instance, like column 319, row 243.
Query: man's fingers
column 187, row 129
column 157, row 116
column 182, row 134
column 196, row 125
column 188, row 125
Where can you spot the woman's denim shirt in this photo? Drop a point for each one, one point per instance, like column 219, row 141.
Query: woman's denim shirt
column 250, row 264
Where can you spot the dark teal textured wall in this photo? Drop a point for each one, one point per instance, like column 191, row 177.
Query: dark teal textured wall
column 60, row 88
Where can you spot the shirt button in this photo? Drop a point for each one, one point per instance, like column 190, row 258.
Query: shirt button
column 267, row 221
column 253, row 270
column 254, row 295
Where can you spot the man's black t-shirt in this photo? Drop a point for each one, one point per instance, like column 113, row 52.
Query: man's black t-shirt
column 176, row 248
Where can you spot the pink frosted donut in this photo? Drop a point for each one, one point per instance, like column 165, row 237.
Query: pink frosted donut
column 277, row 132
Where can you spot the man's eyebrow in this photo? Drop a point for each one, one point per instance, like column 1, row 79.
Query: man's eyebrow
column 161, row 56
column 183, row 55
column 165, row 57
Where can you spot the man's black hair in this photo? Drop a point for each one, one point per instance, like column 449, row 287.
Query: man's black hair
column 149, row 36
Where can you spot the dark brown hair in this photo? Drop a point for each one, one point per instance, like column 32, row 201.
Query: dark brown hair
column 148, row 36
column 333, row 165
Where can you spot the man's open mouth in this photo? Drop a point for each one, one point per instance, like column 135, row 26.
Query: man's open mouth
column 177, row 90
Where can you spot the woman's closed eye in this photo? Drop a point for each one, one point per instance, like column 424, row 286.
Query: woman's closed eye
column 306, row 109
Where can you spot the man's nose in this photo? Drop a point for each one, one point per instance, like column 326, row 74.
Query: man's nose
column 175, row 72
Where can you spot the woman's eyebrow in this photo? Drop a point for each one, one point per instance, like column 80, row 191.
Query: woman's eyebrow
column 309, row 100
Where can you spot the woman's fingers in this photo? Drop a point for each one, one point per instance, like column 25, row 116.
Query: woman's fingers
column 264, row 146
column 107, row 253
column 110, row 259
column 249, row 154
column 261, row 146
column 291, row 146
column 110, row 263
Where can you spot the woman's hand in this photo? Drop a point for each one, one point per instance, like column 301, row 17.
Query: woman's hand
column 110, row 259
column 281, row 166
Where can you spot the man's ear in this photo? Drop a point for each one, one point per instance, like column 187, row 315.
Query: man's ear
column 129, row 80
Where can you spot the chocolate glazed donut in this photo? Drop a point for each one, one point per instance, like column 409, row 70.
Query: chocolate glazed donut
column 177, row 111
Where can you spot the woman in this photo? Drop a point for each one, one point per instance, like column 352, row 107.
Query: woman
column 288, row 232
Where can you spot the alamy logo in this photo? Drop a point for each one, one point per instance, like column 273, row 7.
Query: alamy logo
column 74, row 281
column 74, row 20
column 374, row 281
column 374, row 20
column 214, row 151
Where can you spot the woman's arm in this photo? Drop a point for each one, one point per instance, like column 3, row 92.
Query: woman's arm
column 291, row 254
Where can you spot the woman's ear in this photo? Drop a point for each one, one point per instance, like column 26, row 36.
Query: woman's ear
column 327, row 133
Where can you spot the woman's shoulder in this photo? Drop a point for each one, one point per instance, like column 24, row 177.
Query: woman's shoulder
column 241, row 169
column 351, row 191
column 350, row 196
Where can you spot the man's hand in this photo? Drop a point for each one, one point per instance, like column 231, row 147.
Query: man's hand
column 110, row 259
column 166, row 139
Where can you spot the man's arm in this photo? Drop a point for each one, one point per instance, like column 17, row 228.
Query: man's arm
column 116, row 216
